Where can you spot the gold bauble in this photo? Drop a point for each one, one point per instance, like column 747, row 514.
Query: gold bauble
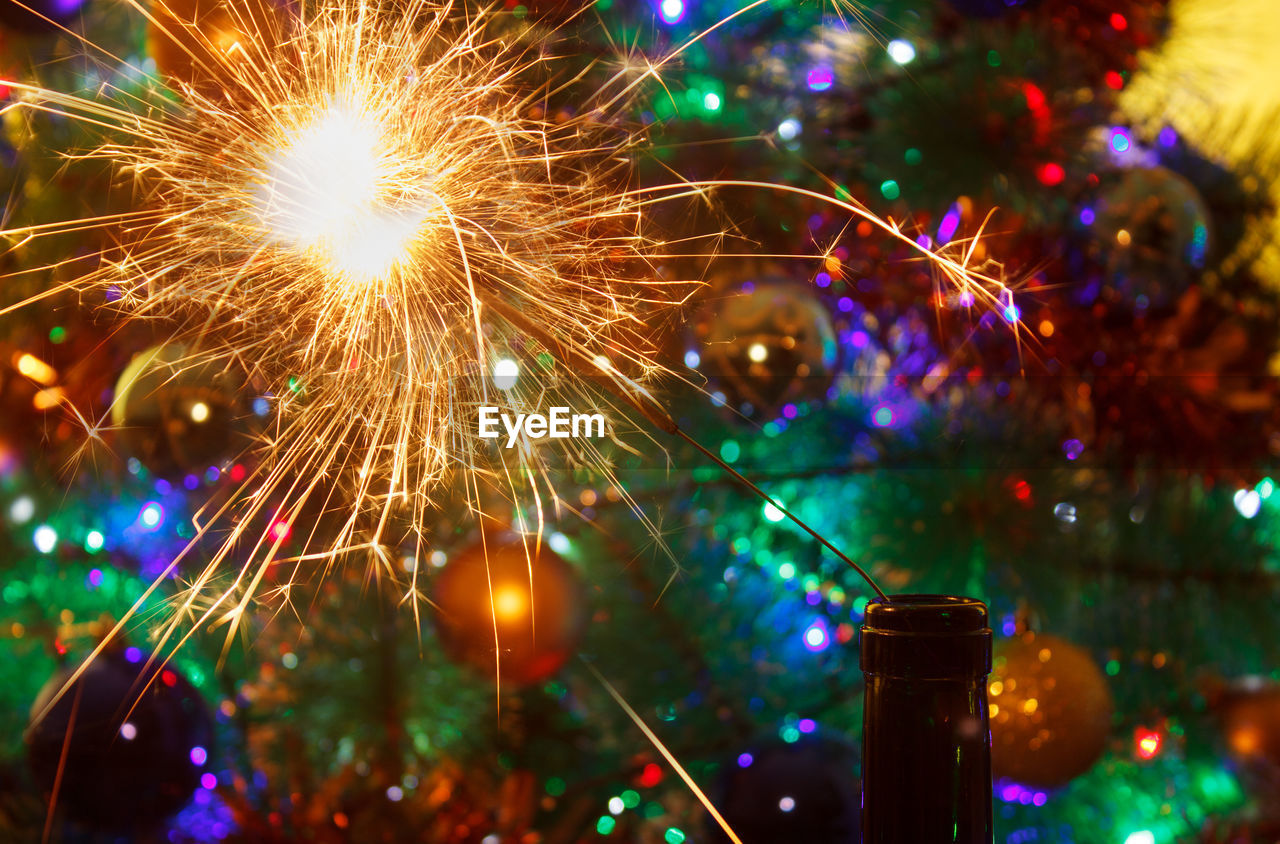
column 505, row 605
column 1050, row 711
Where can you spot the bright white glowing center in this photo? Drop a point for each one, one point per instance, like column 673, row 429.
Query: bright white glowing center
column 328, row 190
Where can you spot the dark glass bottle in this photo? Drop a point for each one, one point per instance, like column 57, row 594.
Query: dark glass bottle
column 926, row 738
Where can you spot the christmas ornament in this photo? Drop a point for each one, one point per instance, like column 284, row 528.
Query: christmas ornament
column 804, row 792
column 126, row 743
column 1050, row 711
column 770, row 344
column 36, row 16
column 179, row 414
column 200, row 43
column 1153, row 231
column 509, row 594
column 1250, row 713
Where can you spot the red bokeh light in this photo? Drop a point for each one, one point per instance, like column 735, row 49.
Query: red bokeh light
column 1146, row 743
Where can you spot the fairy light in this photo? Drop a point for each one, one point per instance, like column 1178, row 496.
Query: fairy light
column 45, row 539
column 816, row 637
column 35, row 369
column 22, row 510
column 1147, row 743
column 902, row 52
column 151, row 516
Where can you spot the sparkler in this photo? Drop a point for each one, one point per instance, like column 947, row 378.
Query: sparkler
column 374, row 213
column 371, row 213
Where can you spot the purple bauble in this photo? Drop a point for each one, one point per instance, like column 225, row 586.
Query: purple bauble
column 136, row 738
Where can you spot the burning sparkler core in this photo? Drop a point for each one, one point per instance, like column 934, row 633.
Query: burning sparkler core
column 328, row 191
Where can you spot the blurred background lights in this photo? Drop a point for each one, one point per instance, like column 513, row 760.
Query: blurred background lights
column 820, row 78
column 816, row 637
column 786, row 804
column 1248, row 502
column 1147, row 743
column 94, row 541
column 901, row 51
column 672, row 11
column 772, row 513
column 45, row 539
column 789, row 129
column 21, row 510
column 151, row 516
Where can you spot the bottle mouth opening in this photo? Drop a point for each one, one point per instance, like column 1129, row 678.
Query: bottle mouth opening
column 927, row 614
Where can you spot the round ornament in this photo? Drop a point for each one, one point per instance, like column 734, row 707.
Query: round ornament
column 804, row 792
column 177, row 414
column 1050, row 711
column 1153, row 231
column 135, row 739
column 1250, row 713
column 768, row 345
column 40, row 16
column 528, row 595
column 200, row 43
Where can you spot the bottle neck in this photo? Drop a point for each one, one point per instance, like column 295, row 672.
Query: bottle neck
column 926, row 761
column 926, row 738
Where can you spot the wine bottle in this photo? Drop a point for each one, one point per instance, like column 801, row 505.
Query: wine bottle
column 926, row 738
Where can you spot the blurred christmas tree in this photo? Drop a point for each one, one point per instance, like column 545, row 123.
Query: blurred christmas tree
column 1091, row 457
